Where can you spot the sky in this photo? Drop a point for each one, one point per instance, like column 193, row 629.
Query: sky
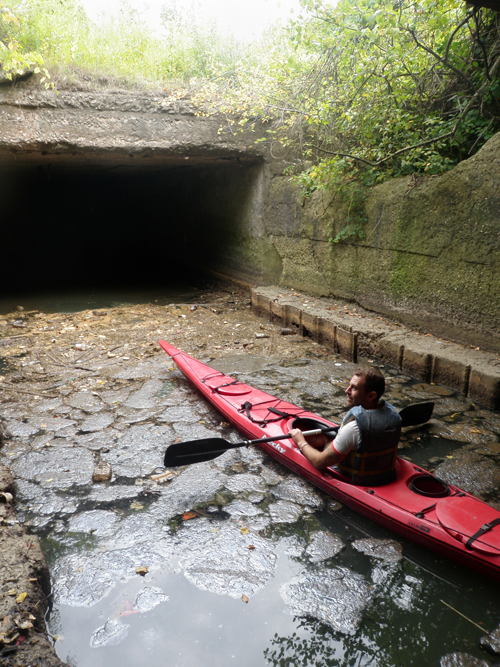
column 246, row 19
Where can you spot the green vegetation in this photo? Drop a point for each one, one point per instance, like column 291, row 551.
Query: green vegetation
column 59, row 33
column 374, row 89
column 16, row 53
column 366, row 90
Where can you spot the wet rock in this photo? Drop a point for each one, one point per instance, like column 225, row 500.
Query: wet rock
column 388, row 550
column 323, row 545
column 462, row 660
column 245, row 483
column 491, row 642
column 96, row 522
column 270, row 476
column 299, row 491
column 56, row 466
column 85, row 401
column 471, row 472
column 143, row 370
column 195, row 486
column 149, row 598
column 81, row 581
column 149, row 440
column 97, row 422
column 110, row 634
column 177, row 413
column 336, row 597
column 146, row 396
column 242, row 508
column 284, row 511
column 333, row 505
column 21, row 429
column 221, row 562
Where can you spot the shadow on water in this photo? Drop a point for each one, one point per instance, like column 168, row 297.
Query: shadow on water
column 73, row 301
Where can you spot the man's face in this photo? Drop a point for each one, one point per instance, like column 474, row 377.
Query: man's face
column 355, row 391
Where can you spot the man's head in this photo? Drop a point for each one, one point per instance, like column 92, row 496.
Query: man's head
column 365, row 388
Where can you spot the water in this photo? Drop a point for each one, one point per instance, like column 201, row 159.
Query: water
column 73, row 302
column 271, row 570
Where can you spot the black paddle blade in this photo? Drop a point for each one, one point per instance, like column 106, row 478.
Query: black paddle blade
column 196, row 451
column 416, row 414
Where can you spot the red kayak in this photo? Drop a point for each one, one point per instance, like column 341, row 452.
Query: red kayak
column 416, row 504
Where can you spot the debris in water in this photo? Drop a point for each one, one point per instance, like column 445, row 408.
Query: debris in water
column 149, row 598
column 244, row 598
column 262, row 335
column 337, row 597
column 189, row 515
column 142, row 570
column 388, row 550
column 323, row 545
column 111, row 632
column 102, row 472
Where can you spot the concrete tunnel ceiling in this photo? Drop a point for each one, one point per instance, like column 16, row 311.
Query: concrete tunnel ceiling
column 87, row 223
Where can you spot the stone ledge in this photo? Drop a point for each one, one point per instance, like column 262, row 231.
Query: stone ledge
column 353, row 332
column 23, row 569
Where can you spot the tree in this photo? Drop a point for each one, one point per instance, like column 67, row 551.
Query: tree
column 16, row 56
column 371, row 89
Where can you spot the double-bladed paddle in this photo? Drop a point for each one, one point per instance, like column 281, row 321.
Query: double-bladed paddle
column 196, row 451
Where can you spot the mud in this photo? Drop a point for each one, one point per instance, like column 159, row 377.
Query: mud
column 91, row 387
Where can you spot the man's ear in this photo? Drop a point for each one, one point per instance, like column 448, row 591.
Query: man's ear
column 371, row 397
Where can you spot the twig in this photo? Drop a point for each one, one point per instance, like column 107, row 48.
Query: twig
column 463, row 616
column 25, row 391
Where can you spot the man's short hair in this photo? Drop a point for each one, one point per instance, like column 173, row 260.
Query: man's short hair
column 374, row 380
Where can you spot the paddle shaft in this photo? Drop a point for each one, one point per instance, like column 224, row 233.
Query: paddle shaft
column 316, row 431
column 196, row 451
column 185, row 453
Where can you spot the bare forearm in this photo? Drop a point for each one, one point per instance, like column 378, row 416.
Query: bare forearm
column 319, row 459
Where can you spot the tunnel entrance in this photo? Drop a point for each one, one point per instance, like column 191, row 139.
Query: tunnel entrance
column 78, row 225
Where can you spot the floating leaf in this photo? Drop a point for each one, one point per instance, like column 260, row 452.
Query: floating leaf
column 142, row 570
column 251, row 546
column 244, row 530
column 136, row 506
column 244, row 598
column 189, row 515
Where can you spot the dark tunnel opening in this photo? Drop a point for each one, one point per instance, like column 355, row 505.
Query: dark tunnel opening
column 70, row 226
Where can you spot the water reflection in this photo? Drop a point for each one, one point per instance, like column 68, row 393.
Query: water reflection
column 269, row 569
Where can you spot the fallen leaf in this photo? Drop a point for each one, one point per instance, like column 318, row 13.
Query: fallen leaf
column 12, row 592
column 251, row 546
column 136, row 506
column 244, row 531
column 189, row 515
column 475, row 430
column 449, row 456
column 20, row 598
column 142, row 570
column 244, row 598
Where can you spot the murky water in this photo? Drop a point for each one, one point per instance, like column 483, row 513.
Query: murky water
column 270, row 571
column 72, row 302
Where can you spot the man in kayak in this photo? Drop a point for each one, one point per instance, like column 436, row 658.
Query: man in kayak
column 365, row 447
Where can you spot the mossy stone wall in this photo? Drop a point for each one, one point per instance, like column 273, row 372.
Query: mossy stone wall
column 430, row 254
